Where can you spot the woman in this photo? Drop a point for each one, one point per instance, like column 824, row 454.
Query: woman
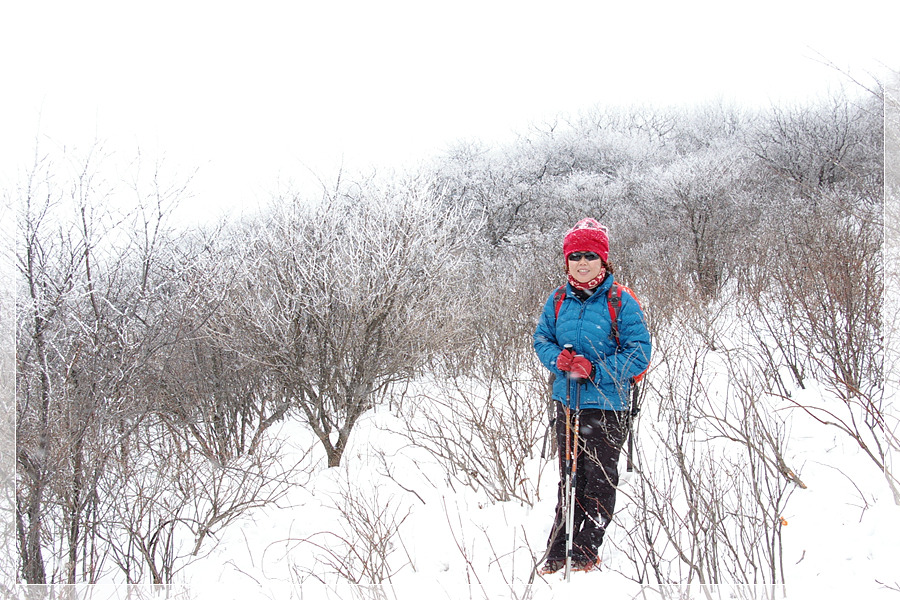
column 575, row 339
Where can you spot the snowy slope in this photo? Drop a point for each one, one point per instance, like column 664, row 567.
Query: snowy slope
column 427, row 536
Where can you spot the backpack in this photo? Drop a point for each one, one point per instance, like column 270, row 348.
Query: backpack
column 614, row 303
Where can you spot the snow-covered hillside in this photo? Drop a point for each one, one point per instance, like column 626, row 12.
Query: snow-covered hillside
column 392, row 513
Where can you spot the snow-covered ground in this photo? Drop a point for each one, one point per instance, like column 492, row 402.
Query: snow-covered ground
column 392, row 514
column 428, row 536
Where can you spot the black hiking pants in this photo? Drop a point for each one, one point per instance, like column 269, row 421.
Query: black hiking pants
column 600, row 439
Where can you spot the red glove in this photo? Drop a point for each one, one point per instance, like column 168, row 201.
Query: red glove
column 577, row 365
column 581, row 367
column 564, row 360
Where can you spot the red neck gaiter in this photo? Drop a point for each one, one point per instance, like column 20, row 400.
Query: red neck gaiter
column 590, row 284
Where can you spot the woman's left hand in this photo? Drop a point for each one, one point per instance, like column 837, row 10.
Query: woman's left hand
column 581, row 367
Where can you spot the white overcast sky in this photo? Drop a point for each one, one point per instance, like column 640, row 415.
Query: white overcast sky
column 256, row 92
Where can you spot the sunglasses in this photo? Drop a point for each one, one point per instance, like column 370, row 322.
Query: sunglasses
column 577, row 256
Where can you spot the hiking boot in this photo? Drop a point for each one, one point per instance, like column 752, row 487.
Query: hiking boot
column 552, row 566
column 585, row 565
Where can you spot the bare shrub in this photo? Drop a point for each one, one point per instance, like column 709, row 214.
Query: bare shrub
column 707, row 508
column 364, row 550
column 171, row 498
column 485, row 434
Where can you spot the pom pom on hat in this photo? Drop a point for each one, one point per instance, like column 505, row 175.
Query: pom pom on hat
column 588, row 235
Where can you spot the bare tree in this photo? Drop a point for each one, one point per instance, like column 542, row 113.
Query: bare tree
column 892, row 257
column 698, row 206
column 112, row 304
column 824, row 146
column 54, row 253
column 91, row 318
column 507, row 189
column 341, row 298
column 8, row 281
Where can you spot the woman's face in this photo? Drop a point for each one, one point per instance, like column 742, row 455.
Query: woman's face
column 587, row 266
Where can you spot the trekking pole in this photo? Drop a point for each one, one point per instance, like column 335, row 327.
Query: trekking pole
column 632, row 415
column 567, row 465
column 574, row 477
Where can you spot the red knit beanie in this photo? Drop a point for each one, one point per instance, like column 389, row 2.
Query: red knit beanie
column 588, row 235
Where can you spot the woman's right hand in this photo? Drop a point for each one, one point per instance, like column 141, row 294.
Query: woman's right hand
column 577, row 365
column 564, row 360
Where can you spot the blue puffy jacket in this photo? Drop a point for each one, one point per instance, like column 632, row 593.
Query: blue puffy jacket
column 586, row 325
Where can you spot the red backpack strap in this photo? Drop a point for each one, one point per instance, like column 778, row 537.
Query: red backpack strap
column 558, row 297
column 614, row 302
